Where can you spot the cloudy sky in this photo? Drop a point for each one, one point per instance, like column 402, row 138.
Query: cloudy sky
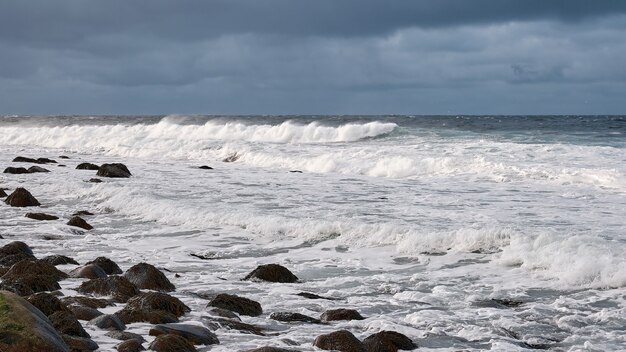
column 313, row 57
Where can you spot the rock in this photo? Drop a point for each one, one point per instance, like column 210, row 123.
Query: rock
column 66, row 323
column 313, row 296
column 80, row 344
column 95, row 180
column 3, row 193
column 21, row 198
column 295, row 171
column 388, row 341
column 341, row 340
column 82, row 213
column 146, row 276
column 240, row 305
column 13, row 252
column 64, row 157
column 153, row 307
column 21, row 159
column 79, row 222
column 231, row 158
column 197, row 335
column 41, row 216
column 205, row 167
column 124, row 336
column 294, row 317
column 28, row 284
column 87, row 302
column 34, row 267
column 36, row 169
column 109, row 266
column 48, row 304
column 114, row 170
column 16, row 170
column 57, row 259
column 341, row 314
column 84, row 313
column 130, row 346
column 272, row 273
column 171, row 343
column 24, row 328
column 87, row 166
column 216, row 323
column 89, row 271
column 270, row 349
column 224, row 313
column 503, row 303
column 116, row 286
column 108, row 322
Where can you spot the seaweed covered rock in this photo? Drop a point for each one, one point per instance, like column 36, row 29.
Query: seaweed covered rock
column 57, row 259
column 108, row 322
column 153, row 307
column 170, row 343
column 34, row 267
column 24, row 328
column 87, row 302
column 116, row 170
column 293, row 317
column 77, row 221
column 197, row 335
column 272, row 273
column 217, row 323
column 84, row 313
column 79, row 344
column 89, row 271
column 118, row 287
column 31, row 276
column 341, row 314
column 14, row 252
column 146, row 276
column 388, row 341
column 109, row 266
column 341, row 340
column 130, row 346
column 240, row 305
column 66, row 323
column 21, row 198
column 48, row 304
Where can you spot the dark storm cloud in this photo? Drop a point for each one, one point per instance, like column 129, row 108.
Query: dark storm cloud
column 298, row 56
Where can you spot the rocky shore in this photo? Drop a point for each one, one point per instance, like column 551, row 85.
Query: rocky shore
column 37, row 315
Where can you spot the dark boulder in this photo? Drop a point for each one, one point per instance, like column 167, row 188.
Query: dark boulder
column 79, row 222
column 80, row 344
column 240, row 305
column 87, row 166
column 197, row 335
column 272, row 273
column 29, row 284
column 21, row 159
column 217, row 323
column 109, row 266
column 108, row 322
column 21, row 198
column 309, row 295
column 205, row 167
column 294, row 317
column 24, row 328
column 146, row 276
column 14, row 252
column 63, row 157
column 41, row 216
column 95, row 180
column 66, row 323
column 36, row 169
column 130, row 346
column 48, row 304
column 114, row 170
column 116, row 286
column 34, row 267
column 341, row 314
column 153, row 307
column 87, row 302
column 341, row 340
column 57, row 259
column 82, row 213
column 223, row 313
column 270, row 349
column 84, row 313
column 89, row 271
column 171, row 343
column 124, row 336
column 388, row 341
column 3, row 192
column 16, row 170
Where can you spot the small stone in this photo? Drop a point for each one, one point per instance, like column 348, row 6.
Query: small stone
column 341, row 314
column 216, row 323
column 95, row 180
column 294, row 317
column 205, row 167
column 77, row 221
column 272, row 273
column 41, row 216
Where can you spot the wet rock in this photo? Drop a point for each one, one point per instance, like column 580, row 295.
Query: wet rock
column 48, row 304
column 89, row 271
column 341, row 340
column 29, row 284
column 16, row 170
column 294, row 317
column 498, row 303
column 130, row 346
column 240, row 305
column 108, row 322
column 146, row 276
column 153, row 307
column 64, row 157
column 21, row 159
column 272, row 273
column 270, row 349
column 116, row 170
column 109, row 266
column 41, row 216
column 21, row 198
column 87, row 166
column 388, row 341
column 341, row 314
column 80, row 344
column 295, row 171
column 57, row 259
column 124, row 336
column 197, row 335
column 84, row 313
column 66, row 323
column 87, row 302
column 82, row 213
column 3, row 193
column 36, row 169
column 24, row 328
column 79, row 222
column 231, row 158
column 205, row 167
column 116, row 286
column 95, row 180
column 170, row 343
column 14, row 252
column 224, row 313
column 313, row 296
column 34, row 267
column 216, row 323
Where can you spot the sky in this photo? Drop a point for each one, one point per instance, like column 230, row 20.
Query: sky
column 312, row 57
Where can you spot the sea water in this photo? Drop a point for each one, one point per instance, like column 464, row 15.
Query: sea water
column 462, row 232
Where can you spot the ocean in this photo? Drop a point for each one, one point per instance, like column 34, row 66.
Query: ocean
column 504, row 233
